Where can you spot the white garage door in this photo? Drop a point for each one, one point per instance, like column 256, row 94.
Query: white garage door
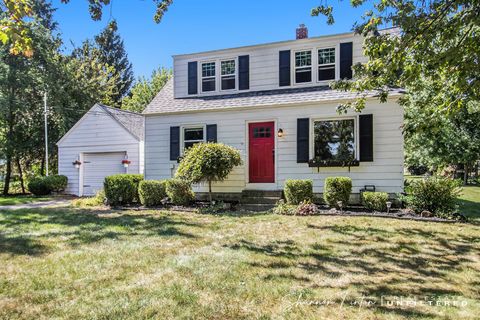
column 97, row 166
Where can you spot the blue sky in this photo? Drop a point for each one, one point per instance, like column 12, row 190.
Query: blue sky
column 198, row 25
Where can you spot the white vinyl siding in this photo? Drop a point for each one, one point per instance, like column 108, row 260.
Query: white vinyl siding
column 385, row 172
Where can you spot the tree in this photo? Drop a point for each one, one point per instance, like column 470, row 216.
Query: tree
column 15, row 15
column 112, row 53
column 208, row 162
column 436, row 43
column 145, row 90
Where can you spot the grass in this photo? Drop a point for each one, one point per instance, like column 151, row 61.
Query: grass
column 20, row 199
column 100, row 264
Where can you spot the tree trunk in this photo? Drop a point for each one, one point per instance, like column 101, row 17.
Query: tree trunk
column 20, row 173
column 210, row 191
column 465, row 174
column 8, row 174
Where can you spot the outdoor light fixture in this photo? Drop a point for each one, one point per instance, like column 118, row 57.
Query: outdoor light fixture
column 280, row 133
column 77, row 164
column 126, row 162
column 340, row 205
column 389, row 205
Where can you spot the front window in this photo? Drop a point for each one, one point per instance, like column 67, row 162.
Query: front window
column 228, row 74
column 334, row 140
column 208, row 76
column 192, row 136
column 326, row 64
column 303, row 66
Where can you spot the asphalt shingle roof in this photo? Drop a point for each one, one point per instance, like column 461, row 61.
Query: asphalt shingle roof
column 164, row 101
column 132, row 121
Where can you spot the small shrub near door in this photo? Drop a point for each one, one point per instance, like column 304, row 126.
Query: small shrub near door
column 122, row 188
column 179, row 191
column 297, row 191
column 152, row 192
column 337, row 189
column 376, row 201
column 436, row 195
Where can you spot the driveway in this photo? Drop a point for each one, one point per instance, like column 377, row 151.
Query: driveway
column 55, row 203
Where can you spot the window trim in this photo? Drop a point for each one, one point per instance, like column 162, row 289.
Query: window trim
column 200, row 71
column 335, row 64
column 235, row 59
column 191, row 126
column 294, row 69
column 355, row 130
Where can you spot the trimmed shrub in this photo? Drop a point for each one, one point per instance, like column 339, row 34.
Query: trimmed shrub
column 97, row 200
column 152, row 192
column 179, row 191
column 306, row 208
column 297, row 191
column 57, row 183
column 337, row 189
column 376, row 201
column 284, row 209
column 122, row 188
column 38, row 186
column 434, row 194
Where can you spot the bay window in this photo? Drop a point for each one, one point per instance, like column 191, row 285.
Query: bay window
column 334, row 140
column 303, row 66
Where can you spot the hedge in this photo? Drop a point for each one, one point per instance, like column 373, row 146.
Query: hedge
column 298, row 191
column 121, row 189
column 41, row 186
column 376, row 201
column 337, row 189
column 179, row 191
column 152, row 192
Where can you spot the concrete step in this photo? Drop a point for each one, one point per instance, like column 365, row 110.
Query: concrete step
column 256, row 207
column 259, row 200
column 262, row 193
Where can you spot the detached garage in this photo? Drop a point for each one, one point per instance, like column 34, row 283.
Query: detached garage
column 103, row 142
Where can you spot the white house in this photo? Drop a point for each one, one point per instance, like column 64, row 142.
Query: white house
column 96, row 146
column 273, row 103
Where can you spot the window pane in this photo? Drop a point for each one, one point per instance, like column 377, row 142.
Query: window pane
column 228, row 67
column 189, row 144
column 303, row 75
column 334, row 140
column 208, row 84
column 326, row 73
column 193, row 134
column 208, row 69
column 326, row 56
column 228, row 82
column 303, row 58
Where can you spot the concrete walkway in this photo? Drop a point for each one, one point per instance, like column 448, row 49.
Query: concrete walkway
column 55, row 203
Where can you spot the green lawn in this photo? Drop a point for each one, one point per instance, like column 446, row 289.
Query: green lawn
column 470, row 202
column 85, row 264
column 20, row 199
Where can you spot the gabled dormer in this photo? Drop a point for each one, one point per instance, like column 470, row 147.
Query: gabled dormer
column 296, row 63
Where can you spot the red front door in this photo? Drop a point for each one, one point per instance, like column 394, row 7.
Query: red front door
column 261, row 152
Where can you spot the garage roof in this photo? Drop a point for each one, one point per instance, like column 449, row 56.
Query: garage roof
column 132, row 121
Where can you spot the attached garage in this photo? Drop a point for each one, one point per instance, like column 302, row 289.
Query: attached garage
column 97, row 145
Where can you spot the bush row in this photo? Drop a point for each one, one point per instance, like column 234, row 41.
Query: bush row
column 41, row 186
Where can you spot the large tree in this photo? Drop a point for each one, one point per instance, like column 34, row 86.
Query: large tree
column 145, row 90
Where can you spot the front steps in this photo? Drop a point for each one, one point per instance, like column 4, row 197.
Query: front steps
column 259, row 200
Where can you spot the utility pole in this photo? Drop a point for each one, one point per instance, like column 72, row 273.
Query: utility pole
column 45, row 111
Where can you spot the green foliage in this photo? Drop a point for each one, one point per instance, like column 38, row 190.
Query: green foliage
column 213, row 208
column 56, row 183
column 435, row 194
column 121, row 189
column 337, row 189
column 179, row 191
column 152, row 192
column 306, row 208
column 208, row 162
column 284, row 208
column 376, row 201
column 145, row 90
column 38, row 186
column 97, row 200
column 297, row 191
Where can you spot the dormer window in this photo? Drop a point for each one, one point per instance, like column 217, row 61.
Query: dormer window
column 208, row 76
column 303, row 66
column 228, row 74
column 326, row 64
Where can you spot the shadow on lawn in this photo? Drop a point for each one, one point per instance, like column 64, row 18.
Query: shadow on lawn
column 377, row 262
column 77, row 227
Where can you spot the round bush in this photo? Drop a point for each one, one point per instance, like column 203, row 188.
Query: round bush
column 298, row 191
column 122, row 188
column 56, row 183
column 179, row 191
column 337, row 189
column 376, row 201
column 152, row 192
column 38, row 186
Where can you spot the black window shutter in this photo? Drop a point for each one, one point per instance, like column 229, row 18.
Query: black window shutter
column 192, row 77
column 211, row 133
column 284, row 68
column 244, row 72
column 174, row 143
column 366, row 137
column 303, row 135
column 346, row 60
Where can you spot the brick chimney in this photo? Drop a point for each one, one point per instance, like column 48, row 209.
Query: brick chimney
column 302, row 32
